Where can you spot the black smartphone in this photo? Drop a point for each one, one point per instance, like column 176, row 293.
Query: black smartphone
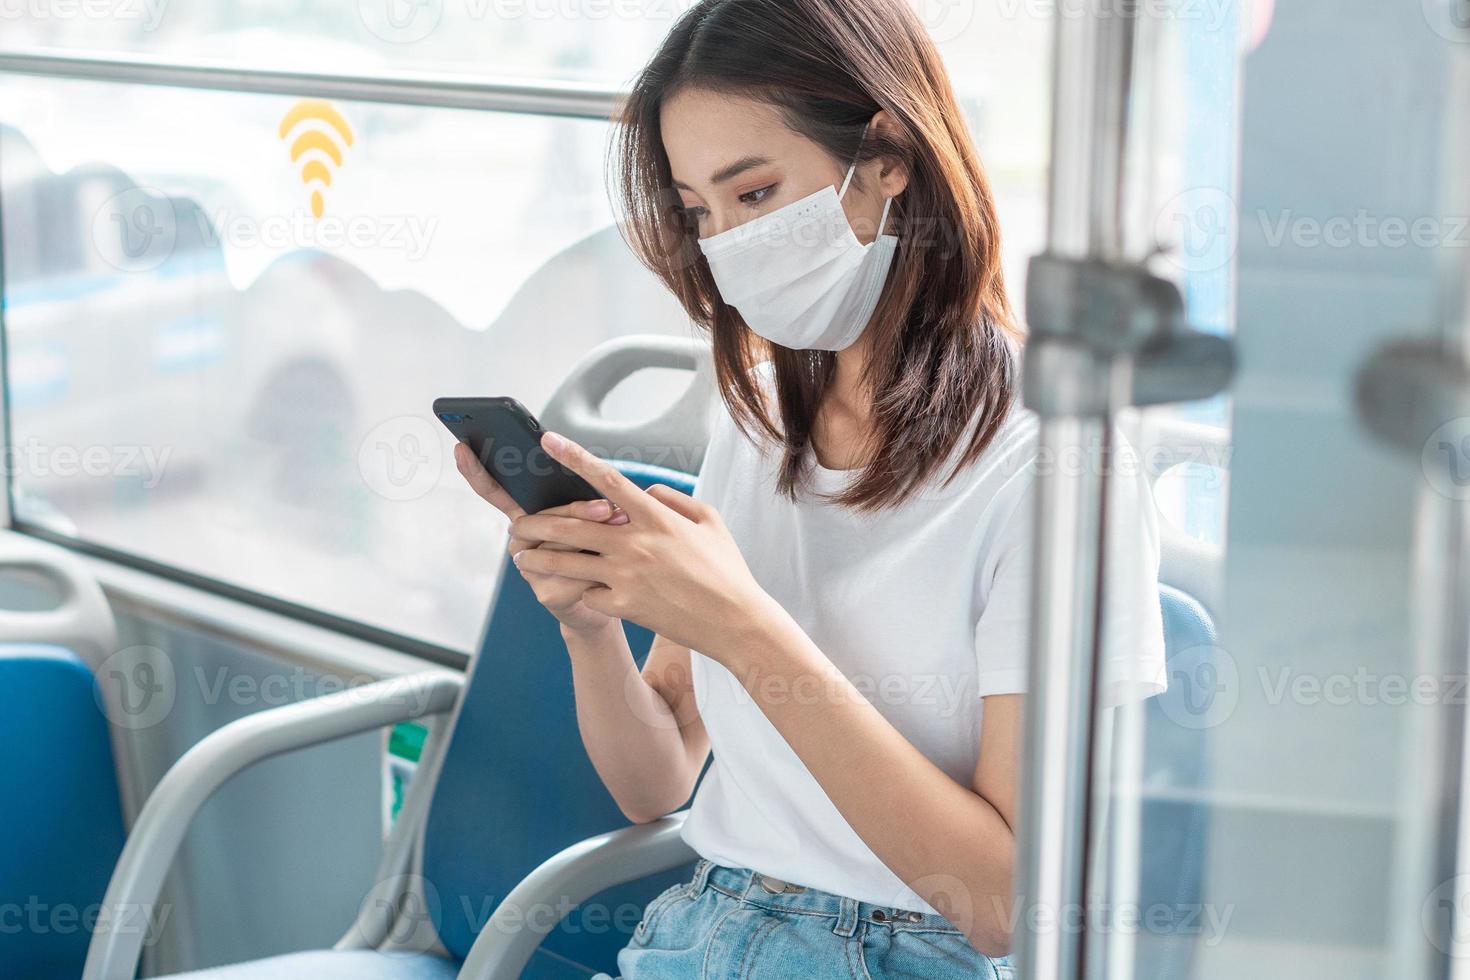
column 506, row 438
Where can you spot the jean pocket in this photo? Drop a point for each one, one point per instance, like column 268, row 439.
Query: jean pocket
column 655, row 908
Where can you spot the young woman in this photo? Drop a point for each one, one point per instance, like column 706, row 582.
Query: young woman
column 841, row 608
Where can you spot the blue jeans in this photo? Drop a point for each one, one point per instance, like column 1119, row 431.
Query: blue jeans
column 728, row 923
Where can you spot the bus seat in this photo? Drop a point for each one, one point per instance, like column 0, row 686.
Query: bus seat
column 516, row 785
column 512, row 786
column 62, row 820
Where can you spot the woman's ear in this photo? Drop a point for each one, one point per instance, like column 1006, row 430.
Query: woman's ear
column 893, row 177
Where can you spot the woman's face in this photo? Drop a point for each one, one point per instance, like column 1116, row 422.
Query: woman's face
column 734, row 159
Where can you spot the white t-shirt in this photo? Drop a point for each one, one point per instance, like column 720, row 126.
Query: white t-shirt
column 923, row 607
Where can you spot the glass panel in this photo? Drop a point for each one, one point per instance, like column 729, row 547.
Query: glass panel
column 1258, row 807
column 1309, row 755
column 205, row 374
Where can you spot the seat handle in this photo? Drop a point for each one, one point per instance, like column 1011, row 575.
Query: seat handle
column 568, row 879
column 82, row 621
column 674, row 438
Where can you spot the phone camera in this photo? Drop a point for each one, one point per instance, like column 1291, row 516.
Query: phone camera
column 454, row 417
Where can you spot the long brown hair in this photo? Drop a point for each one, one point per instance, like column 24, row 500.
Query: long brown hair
column 944, row 346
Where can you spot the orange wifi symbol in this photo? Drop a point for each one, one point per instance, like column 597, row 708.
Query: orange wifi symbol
column 324, row 136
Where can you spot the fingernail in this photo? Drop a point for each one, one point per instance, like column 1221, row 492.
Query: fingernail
column 600, row 509
column 516, row 558
column 621, row 517
column 554, row 442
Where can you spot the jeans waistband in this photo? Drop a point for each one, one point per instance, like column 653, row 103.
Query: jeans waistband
column 763, row 891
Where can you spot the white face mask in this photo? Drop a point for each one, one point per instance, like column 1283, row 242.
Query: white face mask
column 799, row 276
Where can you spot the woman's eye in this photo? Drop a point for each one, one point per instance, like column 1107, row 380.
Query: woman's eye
column 755, row 197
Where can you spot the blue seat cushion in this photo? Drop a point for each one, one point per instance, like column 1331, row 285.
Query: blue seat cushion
column 517, row 786
column 330, row 964
column 61, row 826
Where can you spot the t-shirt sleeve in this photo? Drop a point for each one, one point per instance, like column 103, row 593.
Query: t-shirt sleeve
column 1002, row 633
column 1133, row 634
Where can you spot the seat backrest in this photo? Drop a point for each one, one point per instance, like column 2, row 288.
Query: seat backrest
column 62, row 823
column 516, row 785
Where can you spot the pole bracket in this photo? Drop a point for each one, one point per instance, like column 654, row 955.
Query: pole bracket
column 1409, row 389
column 1086, row 314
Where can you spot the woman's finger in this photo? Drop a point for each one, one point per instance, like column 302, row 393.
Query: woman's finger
column 602, row 475
column 539, row 529
column 602, row 510
column 599, row 510
column 679, row 502
column 567, row 564
column 483, row 483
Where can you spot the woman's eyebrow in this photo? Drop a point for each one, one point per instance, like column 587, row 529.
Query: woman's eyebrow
column 733, row 170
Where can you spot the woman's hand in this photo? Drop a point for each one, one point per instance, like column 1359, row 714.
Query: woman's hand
column 561, row 596
column 671, row 567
